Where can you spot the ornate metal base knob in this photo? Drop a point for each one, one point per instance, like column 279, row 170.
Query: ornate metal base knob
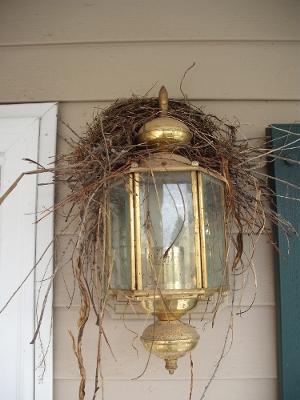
column 170, row 340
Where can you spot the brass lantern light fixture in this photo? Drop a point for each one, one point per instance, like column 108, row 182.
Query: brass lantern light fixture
column 167, row 236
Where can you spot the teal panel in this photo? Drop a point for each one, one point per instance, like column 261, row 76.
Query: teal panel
column 288, row 259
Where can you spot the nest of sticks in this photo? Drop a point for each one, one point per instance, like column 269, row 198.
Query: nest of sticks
column 108, row 147
column 106, row 151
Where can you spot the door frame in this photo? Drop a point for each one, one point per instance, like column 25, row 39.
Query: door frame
column 45, row 114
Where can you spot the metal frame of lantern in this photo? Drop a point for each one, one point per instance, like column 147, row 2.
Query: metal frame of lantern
column 137, row 290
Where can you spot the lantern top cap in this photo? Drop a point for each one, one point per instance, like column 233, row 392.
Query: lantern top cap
column 164, row 130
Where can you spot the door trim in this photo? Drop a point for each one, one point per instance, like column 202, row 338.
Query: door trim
column 46, row 116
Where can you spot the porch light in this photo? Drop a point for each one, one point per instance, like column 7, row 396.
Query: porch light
column 167, row 242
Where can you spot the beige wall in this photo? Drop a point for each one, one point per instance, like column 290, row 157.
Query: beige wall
column 85, row 53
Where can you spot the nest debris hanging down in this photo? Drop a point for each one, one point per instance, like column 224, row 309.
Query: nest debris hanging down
column 106, row 151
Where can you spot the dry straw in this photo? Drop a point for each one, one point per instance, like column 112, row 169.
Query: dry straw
column 105, row 152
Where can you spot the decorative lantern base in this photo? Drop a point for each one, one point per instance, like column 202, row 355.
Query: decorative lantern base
column 169, row 308
column 170, row 340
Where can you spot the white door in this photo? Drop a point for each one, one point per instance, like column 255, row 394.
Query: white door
column 27, row 131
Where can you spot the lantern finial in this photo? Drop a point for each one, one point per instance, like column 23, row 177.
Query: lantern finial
column 164, row 130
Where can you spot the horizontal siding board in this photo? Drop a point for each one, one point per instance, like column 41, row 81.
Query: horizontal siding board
column 81, row 21
column 171, row 388
column 109, row 71
column 253, row 354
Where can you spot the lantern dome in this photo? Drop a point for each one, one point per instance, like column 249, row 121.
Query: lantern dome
column 164, row 130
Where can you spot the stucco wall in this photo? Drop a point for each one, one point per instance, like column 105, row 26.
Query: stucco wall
column 86, row 53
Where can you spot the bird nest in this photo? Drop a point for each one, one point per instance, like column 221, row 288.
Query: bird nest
column 108, row 148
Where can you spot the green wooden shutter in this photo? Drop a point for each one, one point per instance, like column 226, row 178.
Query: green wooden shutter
column 288, row 260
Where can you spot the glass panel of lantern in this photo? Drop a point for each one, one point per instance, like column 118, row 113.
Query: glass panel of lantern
column 167, row 230
column 119, row 236
column 214, row 231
